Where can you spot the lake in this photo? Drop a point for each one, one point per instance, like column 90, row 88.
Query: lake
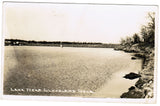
column 77, row 72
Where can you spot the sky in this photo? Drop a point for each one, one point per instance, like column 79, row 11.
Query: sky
column 73, row 22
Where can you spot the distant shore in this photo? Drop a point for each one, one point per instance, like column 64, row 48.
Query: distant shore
column 18, row 42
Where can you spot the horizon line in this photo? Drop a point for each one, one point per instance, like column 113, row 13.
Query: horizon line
column 60, row 41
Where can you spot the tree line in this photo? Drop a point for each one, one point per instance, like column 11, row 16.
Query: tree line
column 146, row 36
column 19, row 42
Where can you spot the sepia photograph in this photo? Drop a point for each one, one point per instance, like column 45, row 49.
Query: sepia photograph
column 79, row 50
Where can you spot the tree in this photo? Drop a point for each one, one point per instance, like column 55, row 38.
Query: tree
column 136, row 38
column 148, row 31
column 129, row 41
column 122, row 41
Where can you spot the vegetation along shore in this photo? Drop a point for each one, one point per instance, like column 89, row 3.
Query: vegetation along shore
column 143, row 46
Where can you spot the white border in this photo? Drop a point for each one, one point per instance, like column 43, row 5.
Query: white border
column 49, row 98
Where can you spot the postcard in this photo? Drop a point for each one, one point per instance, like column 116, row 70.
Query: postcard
column 79, row 50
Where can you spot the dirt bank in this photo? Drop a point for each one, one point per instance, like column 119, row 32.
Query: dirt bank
column 144, row 87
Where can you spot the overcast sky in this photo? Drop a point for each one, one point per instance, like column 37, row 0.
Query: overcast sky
column 73, row 22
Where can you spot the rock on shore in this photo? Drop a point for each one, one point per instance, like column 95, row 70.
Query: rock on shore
column 132, row 76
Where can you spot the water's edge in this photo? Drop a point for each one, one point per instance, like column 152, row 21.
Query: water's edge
column 144, row 87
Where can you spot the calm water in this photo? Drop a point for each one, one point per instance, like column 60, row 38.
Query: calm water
column 54, row 71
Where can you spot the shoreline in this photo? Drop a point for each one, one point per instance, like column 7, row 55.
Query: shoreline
column 144, row 87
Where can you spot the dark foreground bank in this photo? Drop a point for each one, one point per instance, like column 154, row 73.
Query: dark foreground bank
column 144, row 87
